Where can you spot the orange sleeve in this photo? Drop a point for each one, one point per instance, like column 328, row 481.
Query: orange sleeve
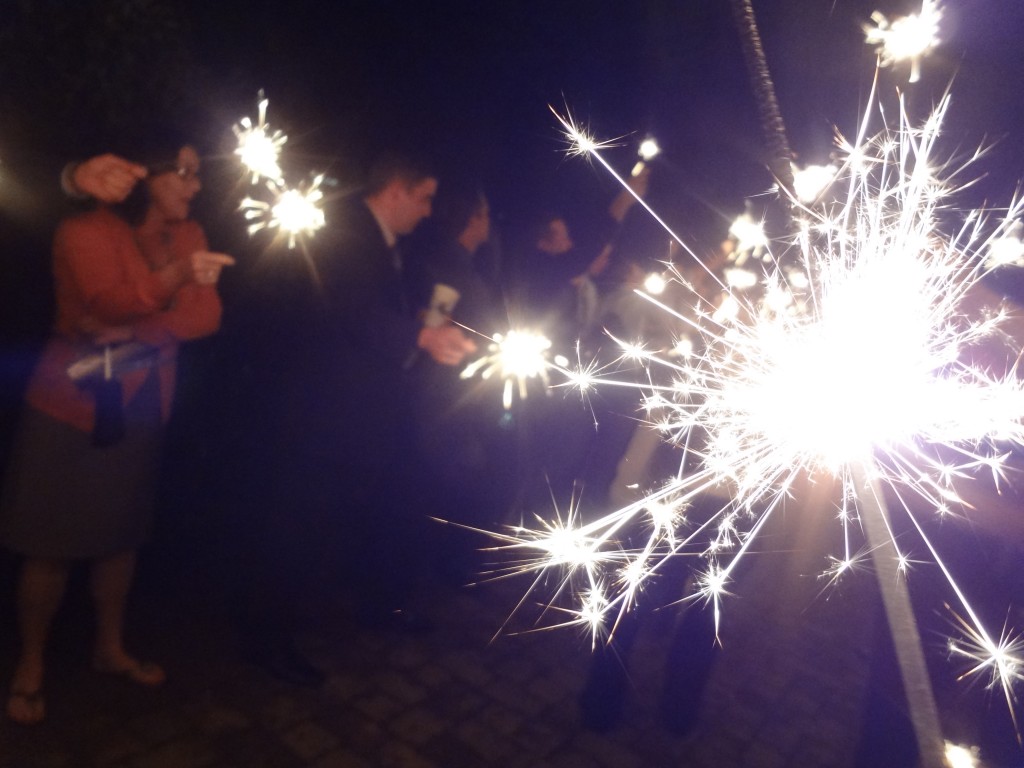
column 194, row 311
column 99, row 256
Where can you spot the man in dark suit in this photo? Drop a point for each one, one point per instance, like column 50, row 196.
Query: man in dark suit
column 343, row 515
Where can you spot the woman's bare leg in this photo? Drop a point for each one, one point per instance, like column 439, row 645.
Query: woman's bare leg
column 111, row 579
column 40, row 591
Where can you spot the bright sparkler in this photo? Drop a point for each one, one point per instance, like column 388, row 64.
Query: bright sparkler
column 810, row 182
column 294, row 212
column 863, row 372
column 516, row 357
column 750, row 237
column 1008, row 250
column 647, row 151
column 259, row 148
column 906, row 38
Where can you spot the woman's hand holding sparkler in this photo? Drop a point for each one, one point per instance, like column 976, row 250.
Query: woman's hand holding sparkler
column 447, row 344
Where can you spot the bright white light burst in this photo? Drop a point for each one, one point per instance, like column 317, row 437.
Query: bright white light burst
column 295, row 212
column 259, row 148
column 908, row 38
column 857, row 365
column 516, row 357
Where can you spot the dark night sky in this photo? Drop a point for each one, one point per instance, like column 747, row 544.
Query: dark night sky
column 471, row 82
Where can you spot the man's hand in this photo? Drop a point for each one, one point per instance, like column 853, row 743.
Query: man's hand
column 108, row 178
column 446, row 344
column 206, row 266
column 627, row 198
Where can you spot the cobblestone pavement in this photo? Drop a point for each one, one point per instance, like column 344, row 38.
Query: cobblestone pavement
column 788, row 687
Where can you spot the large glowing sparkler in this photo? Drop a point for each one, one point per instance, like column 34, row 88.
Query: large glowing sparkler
column 857, row 366
column 907, row 38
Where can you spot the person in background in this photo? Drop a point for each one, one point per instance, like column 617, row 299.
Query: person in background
column 131, row 284
column 554, row 279
column 462, row 439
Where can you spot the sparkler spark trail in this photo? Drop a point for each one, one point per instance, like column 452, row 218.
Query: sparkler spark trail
column 259, row 148
column 863, row 370
column 906, row 38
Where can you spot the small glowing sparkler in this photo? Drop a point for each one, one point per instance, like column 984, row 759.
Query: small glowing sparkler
column 907, row 38
column 647, row 151
column 1008, row 250
column 259, row 148
column 959, row 756
column 295, row 212
column 750, row 238
column 655, row 284
column 810, row 182
column 860, row 370
column 516, row 357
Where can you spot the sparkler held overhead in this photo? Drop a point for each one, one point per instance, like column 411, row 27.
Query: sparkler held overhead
column 647, row 151
column 908, row 38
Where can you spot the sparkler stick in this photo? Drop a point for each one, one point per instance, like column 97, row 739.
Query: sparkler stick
column 924, row 715
column 781, row 156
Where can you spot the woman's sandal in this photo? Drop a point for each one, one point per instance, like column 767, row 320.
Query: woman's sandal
column 144, row 673
column 26, row 707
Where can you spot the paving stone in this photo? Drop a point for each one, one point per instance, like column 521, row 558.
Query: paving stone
column 378, row 707
column 483, row 741
column 160, row 726
column 418, row 726
column 344, row 686
column 117, row 746
column 605, row 752
column 551, row 690
column 398, row 755
column 468, row 670
column 399, row 687
column 309, row 740
column 217, row 719
column 407, row 657
column 256, row 748
column 341, row 758
column 283, row 711
column 764, row 756
column 180, row 752
column 432, row 675
column 500, row 719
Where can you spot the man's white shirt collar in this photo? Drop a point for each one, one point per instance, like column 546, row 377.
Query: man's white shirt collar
column 389, row 237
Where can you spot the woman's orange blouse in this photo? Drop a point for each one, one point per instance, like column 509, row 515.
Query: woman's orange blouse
column 103, row 279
